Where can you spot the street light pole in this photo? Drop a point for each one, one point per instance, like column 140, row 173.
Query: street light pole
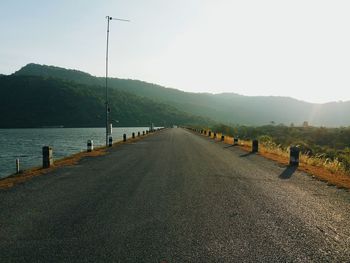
column 107, row 105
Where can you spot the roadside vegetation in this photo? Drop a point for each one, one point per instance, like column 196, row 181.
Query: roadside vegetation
column 321, row 147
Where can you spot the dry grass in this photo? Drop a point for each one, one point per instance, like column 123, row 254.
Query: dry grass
column 228, row 140
column 67, row 161
column 330, row 171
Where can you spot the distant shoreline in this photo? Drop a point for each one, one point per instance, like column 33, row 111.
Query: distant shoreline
column 67, row 127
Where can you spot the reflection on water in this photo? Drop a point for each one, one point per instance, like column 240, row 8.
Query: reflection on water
column 26, row 144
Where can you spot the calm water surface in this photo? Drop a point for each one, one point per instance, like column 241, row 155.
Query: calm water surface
column 26, row 144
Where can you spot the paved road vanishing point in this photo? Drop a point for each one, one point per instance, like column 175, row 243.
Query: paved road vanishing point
column 175, row 196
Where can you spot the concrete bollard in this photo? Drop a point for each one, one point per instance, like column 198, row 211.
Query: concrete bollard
column 138, row 134
column 90, row 145
column 17, row 166
column 110, row 128
column 222, row 138
column 47, row 157
column 124, row 137
column 133, row 135
column 235, row 141
column 110, row 141
column 255, row 146
column 143, row 132
column 294, row 155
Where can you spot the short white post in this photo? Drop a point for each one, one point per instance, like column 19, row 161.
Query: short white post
column 17, row 166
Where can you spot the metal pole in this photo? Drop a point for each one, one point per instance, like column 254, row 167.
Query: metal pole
column 107, row 105
column 108, row 19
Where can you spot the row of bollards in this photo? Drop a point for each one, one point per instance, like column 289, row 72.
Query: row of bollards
column 47, row 151
column 294, row 152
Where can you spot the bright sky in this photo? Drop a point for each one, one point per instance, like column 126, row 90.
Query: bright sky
column 298, row 48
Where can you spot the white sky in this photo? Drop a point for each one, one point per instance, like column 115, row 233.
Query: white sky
column 293, row 48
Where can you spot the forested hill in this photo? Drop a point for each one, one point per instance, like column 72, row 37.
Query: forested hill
column 228, row 107
column 32, row 101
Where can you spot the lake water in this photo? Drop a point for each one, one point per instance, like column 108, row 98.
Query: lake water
column 26, row 144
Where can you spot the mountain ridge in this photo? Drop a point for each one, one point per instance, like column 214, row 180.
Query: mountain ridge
column 223, row 107
column 34, row 101
column 27, row 70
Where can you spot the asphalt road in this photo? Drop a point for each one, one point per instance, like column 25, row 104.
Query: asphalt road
column 179, row 197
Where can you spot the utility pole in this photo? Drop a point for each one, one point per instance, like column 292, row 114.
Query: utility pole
column 109, row 18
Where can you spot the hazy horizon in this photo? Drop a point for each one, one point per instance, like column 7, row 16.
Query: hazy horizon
column 293, row 49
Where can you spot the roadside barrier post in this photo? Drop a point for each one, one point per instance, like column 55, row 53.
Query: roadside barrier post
column 255, row 146
column 133, row 135
column 90, row 145
column 294, row 155
column 17, row 166
column 110, row 141
column 124, row 137
column 47, row 157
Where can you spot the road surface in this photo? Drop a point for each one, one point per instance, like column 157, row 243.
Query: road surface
column 175, row 196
